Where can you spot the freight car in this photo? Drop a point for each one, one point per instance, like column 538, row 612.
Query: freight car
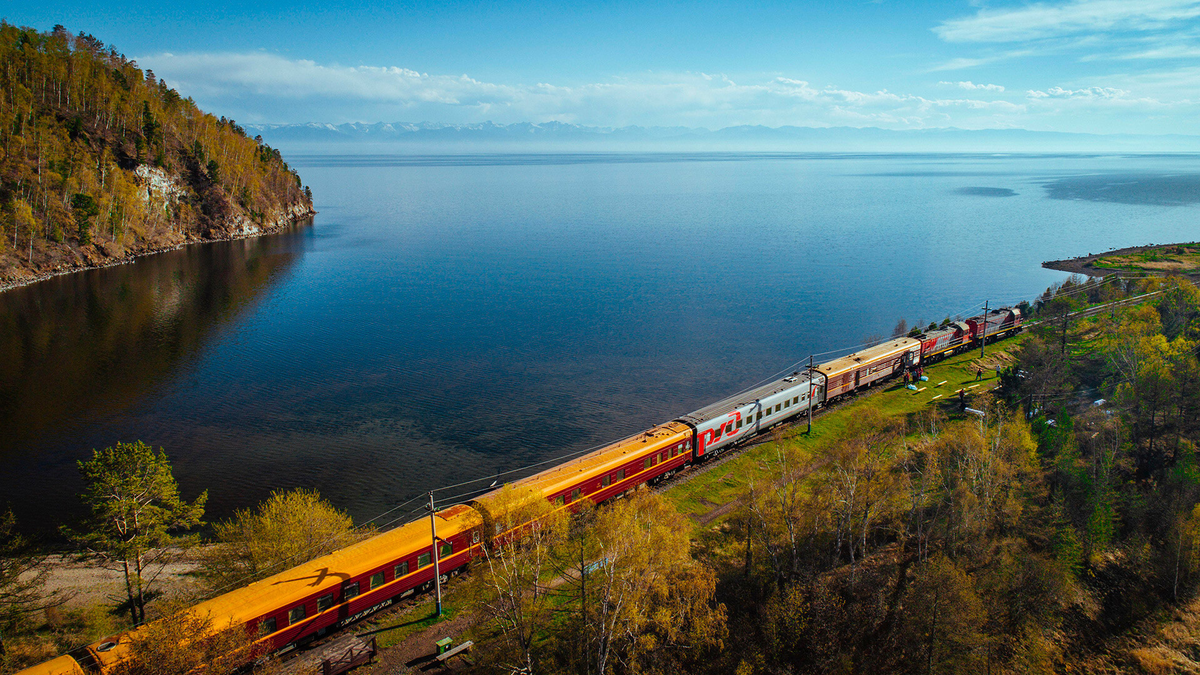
column 297, row 605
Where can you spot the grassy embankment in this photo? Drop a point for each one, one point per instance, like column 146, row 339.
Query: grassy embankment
column 707, row 497
column 1166, row 259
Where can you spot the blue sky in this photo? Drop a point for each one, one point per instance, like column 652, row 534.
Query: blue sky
column 1097, row 66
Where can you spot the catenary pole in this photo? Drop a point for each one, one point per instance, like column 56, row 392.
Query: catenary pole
column 810, row 393
column 983, row 338
column 437, row 572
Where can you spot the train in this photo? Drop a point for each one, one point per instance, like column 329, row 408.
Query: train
column 298, row 605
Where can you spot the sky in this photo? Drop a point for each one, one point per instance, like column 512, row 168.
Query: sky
column 1092, row 66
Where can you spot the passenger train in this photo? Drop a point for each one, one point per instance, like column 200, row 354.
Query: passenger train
column 301, row 604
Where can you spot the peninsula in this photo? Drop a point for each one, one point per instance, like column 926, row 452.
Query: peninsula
column 1152, row 259
column 100, row 162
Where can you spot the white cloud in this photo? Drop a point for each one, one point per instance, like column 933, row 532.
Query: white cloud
column 1170, row 52
column 961, row 63
column 971, row 86
column 1090, row 93
column 284, row 89
column 1043, row 20
column 261, row 87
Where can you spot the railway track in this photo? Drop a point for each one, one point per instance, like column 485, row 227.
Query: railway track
column 1100, row 309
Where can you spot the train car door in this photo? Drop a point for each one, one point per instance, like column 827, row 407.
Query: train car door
column 857, row 378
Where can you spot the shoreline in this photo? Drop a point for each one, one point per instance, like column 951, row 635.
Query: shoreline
column 1084, row 264
column 291, row 221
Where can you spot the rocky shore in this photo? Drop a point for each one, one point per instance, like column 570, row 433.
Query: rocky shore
column 66, row 258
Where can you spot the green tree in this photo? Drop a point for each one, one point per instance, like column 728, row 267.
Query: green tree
column 135, row 507
column 85, row 209
column 286, row 530
column 22, row 577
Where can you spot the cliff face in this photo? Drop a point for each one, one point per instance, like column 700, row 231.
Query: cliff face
column 100, row 161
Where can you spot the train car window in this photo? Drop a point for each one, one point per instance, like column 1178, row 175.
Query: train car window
column 324, row 602
column 266, row 626
column 796, row 400
column 606, row 480
column 349, row 590
column 787, row 403
column 296, row 614
column 575, row 494
column 376, row 580
column 768, row 412
column 621, row 474
column 646, row 463
column 558, row 500
column 424, row 559
column 447, row 549
column 401, row 569
column 778, row 407
column 759, row 416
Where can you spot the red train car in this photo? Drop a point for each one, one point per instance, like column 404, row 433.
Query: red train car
column 944, row 341
column 995, row 324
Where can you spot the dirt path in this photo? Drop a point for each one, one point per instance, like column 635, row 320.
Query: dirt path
column 86, row 583
column 416, row 652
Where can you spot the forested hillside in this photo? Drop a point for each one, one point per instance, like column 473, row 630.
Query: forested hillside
column 100, row 160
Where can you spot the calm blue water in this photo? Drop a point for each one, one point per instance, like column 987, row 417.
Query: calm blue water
column 446, row 318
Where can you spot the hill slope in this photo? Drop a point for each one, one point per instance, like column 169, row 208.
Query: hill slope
column 100, row 161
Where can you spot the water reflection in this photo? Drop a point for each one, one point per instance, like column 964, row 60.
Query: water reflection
column 83, row 346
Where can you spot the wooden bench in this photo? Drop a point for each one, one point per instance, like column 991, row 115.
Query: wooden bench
column 464, row 647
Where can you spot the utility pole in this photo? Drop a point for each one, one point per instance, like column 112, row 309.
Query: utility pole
column 437, row 572
column 983, row 339
column 810, row 406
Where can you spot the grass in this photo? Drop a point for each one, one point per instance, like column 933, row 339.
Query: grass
column 726, row 483
column 396, row 629
column 1179, row 258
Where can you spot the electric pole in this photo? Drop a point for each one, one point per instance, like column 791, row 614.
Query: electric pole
column 810, row 394
column 983, row 339
column 437, row 572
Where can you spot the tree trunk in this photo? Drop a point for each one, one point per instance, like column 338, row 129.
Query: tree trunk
column 129, row 593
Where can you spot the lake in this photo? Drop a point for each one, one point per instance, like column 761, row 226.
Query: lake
column 445, row 318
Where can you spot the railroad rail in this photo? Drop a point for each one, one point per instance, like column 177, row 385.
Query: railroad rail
column 1100, row 309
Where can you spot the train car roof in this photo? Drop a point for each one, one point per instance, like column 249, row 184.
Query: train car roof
column 746, row 398
column 998, row 315
column 289, row 587
column 942, row 329
column 881, row 351
column 63, row 665
column 598, row 461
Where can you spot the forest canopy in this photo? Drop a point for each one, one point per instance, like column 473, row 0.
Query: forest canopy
column 100, row 159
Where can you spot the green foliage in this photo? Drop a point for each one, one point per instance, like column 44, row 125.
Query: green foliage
column 286, row 530
column 78, row 117
column 22, row 575
column 135, row 508
column 85, row 209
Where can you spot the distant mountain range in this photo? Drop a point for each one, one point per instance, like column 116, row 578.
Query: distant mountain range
column 431, row 136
